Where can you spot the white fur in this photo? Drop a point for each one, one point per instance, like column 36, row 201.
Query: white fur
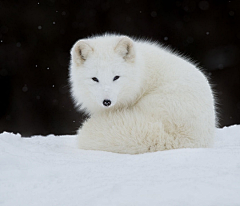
column 161, row 101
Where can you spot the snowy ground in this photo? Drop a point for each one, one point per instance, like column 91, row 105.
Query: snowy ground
column 49, row 171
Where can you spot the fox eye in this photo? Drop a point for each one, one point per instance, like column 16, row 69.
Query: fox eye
column 115, row 78
column 95, row 79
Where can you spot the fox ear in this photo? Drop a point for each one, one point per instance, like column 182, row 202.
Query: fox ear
column 125, row 48
column 81, row 51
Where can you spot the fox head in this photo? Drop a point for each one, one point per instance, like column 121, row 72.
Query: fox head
column 103, row 72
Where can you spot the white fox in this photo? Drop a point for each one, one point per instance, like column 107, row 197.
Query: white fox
column 141, row 97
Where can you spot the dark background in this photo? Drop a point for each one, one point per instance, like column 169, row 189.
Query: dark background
column 36, row 37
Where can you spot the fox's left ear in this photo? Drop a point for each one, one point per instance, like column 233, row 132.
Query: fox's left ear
column 125, row 48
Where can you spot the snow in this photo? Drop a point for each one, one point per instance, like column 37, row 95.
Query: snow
column 53, row 171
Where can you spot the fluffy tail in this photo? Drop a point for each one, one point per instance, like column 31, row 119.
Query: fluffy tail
column 133, row 132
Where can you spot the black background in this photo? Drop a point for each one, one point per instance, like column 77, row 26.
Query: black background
column 36, row 37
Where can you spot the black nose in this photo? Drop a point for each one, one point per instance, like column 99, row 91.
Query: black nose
column 106, row 102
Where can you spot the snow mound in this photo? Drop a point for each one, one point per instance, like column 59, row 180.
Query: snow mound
column 53, row 171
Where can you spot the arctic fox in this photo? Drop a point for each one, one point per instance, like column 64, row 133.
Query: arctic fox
column 141, row 97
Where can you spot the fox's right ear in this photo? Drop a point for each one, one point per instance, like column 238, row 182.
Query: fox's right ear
column 80, row 51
